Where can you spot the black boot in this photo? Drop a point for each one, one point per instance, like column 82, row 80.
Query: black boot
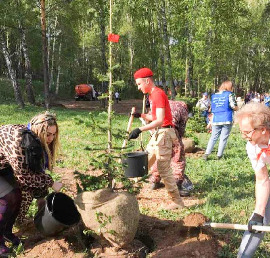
column 182, row 192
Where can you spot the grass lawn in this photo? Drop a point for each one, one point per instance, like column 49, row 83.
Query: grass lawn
column 226, row 184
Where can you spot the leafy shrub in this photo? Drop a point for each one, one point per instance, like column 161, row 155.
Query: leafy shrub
column 196, row 123
column 191, row 102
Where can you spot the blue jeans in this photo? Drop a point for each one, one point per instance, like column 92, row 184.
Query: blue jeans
column 205, row 115
column 222, row 131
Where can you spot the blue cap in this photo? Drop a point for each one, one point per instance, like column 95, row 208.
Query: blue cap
column 205, row 94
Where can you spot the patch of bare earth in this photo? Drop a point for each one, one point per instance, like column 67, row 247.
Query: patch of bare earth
column 122, row 107
column 155, row 237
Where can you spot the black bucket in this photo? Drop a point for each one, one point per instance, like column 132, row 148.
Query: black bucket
column 135, row 164
column 58, row 214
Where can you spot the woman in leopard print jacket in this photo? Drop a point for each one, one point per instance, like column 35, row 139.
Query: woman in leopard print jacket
column 20, row 182
column 45, row 126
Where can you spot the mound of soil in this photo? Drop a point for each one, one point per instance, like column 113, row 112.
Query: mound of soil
column 194, row 220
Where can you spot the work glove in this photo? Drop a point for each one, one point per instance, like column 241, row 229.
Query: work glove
column 134, row 134
column 256, row 219
column 136, row 114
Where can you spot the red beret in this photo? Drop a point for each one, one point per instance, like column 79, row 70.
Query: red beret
column 143, row 73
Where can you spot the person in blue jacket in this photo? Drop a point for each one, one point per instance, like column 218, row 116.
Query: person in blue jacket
column 223, row 104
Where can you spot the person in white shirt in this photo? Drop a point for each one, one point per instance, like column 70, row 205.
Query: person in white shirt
column 116, row 94
column 254, row 124
column 204, row 106
column 256, row 98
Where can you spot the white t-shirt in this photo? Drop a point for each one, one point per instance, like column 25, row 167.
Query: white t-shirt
column 116, row 95
column 203, row 104
column 253, row 151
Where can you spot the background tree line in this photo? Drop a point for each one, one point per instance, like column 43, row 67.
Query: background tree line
column 191, row 44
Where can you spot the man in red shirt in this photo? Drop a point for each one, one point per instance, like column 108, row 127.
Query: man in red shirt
column 159, row 147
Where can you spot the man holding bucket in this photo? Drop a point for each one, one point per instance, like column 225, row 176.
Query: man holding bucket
column 159, row 147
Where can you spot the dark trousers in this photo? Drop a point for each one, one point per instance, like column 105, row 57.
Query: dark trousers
column 9, row 210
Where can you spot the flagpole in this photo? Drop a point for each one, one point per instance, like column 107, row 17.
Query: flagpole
column 110, row 86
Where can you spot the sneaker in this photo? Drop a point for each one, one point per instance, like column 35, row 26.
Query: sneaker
column 184, row 193
column 205, row 157
column 157, row 185
column 11, row 238
column 187, row 184
column 219, row 157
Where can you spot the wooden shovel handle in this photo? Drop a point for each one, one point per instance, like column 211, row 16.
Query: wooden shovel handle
column 129, row 126
column 237, row 226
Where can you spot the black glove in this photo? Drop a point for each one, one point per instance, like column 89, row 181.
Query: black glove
column 256, row 219
column 136, row 114
column 134, row 134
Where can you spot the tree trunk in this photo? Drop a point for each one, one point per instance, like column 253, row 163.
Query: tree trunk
column 103, row 39
column 167, row 48
column 52, row 56
column 28, row 72
column 131, row 57
column 45, row 55
column 58, row 71
column 187, row 79
column 162, row 63
column 110, row 88
column 12, row 72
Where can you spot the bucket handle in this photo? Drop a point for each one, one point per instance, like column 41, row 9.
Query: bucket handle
column 51, row 212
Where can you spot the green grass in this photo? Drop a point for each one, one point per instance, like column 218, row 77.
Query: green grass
column 227, row 185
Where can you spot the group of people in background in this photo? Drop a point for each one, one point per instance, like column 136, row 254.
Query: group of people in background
column 218, row 116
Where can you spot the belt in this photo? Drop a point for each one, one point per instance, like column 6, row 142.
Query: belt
column 167, row 126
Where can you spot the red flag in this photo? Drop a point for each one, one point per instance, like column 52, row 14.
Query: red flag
column 113, row 37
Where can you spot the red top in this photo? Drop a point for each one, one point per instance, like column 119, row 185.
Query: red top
column 158, row 99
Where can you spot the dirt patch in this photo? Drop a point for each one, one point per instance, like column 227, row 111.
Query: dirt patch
column 122, row 107
column 155, row 237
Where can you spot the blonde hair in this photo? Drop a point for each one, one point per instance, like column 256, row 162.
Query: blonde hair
column 39, row 125
column 258, row 114
column 226, row 85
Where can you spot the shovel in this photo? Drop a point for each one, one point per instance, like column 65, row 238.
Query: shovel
column 128, row 127
column 198, row 220
column 141, row 136
column 236, row 226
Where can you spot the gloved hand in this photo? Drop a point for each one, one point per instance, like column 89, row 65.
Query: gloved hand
column 136, row 114
column 256, row 219
column 134, row 134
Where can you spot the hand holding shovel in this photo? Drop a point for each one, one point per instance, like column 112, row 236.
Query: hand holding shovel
column 129, row 126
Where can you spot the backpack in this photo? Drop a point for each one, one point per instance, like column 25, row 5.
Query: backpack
column 34, row 155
